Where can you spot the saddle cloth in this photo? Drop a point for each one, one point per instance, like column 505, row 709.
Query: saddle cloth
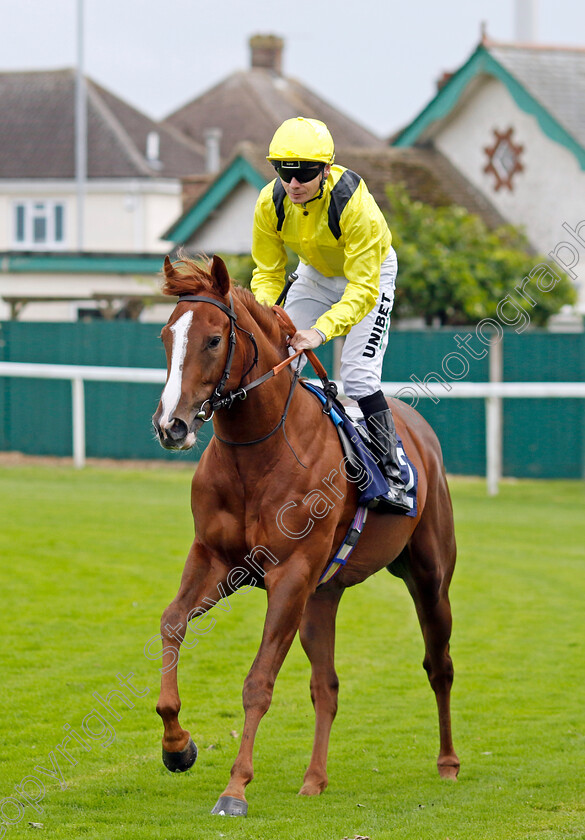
column 354, row 438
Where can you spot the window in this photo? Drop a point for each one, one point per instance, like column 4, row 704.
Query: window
column 39, row 225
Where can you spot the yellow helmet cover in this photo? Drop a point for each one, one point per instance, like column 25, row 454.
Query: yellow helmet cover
column 301, row 138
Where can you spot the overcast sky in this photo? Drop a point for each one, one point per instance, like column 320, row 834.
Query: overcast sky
column 376, row 60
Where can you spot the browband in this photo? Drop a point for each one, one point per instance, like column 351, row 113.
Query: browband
column 228, row 311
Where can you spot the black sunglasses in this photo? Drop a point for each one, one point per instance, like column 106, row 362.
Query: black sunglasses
column 303, row 172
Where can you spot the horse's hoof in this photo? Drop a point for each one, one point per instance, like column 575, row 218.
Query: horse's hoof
column 229, row 806
column 312, row 788
column 178, row 762
column 448, row 771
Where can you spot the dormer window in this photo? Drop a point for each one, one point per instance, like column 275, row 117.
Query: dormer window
column 39, row 225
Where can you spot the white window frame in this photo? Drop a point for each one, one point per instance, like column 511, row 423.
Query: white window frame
column 39, row 209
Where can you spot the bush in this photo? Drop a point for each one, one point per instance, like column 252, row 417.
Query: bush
column 452, row 269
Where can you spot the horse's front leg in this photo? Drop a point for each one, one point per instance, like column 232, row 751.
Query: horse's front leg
column 317, row 633
column 287, row 589
column 200, row 588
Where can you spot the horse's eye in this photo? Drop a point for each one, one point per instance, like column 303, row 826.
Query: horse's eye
column 214, row 342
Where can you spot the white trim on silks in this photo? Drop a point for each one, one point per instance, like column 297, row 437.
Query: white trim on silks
column 172, row 390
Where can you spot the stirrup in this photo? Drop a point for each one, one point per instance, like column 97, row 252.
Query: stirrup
column 394, row 501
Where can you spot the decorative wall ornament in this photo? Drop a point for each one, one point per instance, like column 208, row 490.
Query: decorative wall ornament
column 503, row 159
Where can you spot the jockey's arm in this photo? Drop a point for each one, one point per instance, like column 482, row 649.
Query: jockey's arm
column 269, row 255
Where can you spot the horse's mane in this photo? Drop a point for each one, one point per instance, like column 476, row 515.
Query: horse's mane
column 193, row 277
column 188, row 277
column 263, row 315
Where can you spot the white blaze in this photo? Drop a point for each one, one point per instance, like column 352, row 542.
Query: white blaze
column 172, row 391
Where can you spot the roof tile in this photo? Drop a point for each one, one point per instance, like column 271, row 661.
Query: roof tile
column 555, row 76
column 37, row 136
column 250, row 105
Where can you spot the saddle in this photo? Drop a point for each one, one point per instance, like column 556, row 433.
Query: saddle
column 360, row 462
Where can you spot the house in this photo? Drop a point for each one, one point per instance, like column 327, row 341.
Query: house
column 141, row 175
column 133, row 168
column 511, row 121
column 236, row 120
column 131, row 194
column 220, row 220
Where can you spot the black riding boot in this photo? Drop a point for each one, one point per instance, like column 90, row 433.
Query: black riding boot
column 383, row 443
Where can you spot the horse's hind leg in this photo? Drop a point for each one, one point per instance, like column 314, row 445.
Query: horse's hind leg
column 317, row 633
column 201, row 578
column 427, row 576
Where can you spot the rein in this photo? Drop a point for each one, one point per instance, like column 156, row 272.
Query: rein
column 219, row 400
column 242, row 392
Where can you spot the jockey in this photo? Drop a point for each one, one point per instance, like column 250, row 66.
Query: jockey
column 345, row 277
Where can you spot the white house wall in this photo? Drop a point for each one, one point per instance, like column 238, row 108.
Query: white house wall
column 549, row 191
column 120, row 216
column 228, row 229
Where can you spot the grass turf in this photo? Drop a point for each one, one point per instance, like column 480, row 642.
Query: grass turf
column 90, row 559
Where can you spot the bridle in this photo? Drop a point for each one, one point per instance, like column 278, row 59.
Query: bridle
column 217, row 400
column 220, row 400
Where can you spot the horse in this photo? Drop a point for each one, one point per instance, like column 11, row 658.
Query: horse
column 271, row 503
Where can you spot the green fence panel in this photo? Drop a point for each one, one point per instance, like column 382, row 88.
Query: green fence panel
column 415, row 355
column 436, row 356
column 544, row 438
column 36, row 415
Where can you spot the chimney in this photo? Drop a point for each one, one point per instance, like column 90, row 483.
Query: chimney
column 153, row 149
column 212, row 152
column 267, row 52
column 525, row 21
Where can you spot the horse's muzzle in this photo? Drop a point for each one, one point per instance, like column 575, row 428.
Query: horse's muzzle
column 177, row 430
column 175, row 434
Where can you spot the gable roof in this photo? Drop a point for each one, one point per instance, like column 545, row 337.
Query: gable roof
column 426, row 173
column 239, row 169
column 38, row 132
column 547, row 82
column 554, row 76
column 250, row 105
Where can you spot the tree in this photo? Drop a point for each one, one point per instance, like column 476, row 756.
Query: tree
column 452, row 269
column 240, row 266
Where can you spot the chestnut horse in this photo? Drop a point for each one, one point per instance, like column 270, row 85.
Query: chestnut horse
column 271, row 504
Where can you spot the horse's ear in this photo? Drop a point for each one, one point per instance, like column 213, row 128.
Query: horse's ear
column 220, row 276
column 168, row 269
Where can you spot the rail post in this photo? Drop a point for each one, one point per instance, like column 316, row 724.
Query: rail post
column 78, row 406
column 493, row 421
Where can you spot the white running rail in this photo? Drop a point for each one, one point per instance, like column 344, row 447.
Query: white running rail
column 492, row 392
